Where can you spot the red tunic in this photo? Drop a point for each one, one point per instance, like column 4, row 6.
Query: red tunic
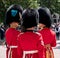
column 11, row 40
column 49, row 37
column 29, row 41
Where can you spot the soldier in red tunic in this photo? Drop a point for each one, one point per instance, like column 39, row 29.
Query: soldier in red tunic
column 29, row 40
column 49, row 37
column 13, row 16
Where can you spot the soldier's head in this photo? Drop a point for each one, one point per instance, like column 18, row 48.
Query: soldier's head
column 30, row 18
column 45, row 16
column 13, row 14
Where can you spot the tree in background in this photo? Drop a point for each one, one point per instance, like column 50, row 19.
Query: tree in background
column 2, row 10
column 53, row 5
column 34, row 4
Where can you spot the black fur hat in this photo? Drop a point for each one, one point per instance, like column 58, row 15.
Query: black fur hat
column 45, row 16
column 13, row 14
column 30, row 18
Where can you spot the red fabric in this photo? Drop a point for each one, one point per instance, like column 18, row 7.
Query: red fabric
column 49, row 37
column 28, row 41
column 11, row 40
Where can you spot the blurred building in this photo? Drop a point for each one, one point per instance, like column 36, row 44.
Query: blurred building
column 56, row 18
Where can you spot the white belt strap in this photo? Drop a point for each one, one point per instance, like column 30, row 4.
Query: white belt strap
column 11, row 47
column 29, row 52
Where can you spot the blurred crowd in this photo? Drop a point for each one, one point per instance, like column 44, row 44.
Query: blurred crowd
column 56, row 27
column 2, row 31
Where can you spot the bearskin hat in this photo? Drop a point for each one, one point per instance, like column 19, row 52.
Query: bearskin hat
column 45, row 16
column 30, row 18
column 13, row 14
